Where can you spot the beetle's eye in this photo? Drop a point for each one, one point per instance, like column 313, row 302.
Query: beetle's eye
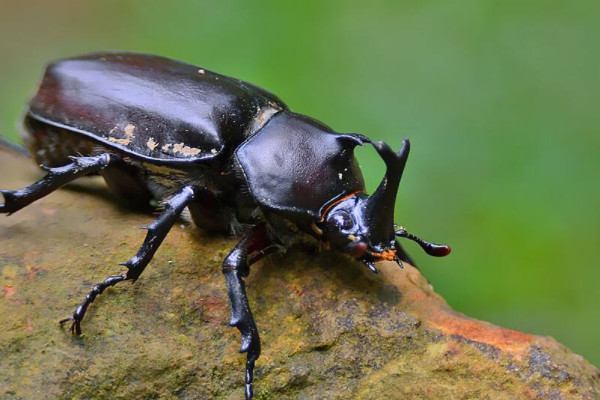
column 343, row 220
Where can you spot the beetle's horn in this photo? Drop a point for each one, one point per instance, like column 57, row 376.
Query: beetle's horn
column 380, row 205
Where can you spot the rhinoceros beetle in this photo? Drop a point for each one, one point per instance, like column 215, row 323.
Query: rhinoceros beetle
column 234, row 154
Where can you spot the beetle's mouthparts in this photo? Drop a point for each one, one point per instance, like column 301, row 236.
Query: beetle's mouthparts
column 433, row 249
column 387, row 255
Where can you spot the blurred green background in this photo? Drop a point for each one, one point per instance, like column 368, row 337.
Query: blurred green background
column 499, row 98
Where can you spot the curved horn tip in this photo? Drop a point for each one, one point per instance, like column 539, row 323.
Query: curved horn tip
column 405, row 147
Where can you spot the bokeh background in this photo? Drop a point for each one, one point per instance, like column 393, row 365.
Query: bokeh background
column 499, row 98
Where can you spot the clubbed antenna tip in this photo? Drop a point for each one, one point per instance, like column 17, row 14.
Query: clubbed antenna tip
column 433, row 249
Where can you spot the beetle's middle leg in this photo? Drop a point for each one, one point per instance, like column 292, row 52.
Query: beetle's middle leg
column 157, row 231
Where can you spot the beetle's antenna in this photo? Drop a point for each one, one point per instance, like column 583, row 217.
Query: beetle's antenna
column 436, row 250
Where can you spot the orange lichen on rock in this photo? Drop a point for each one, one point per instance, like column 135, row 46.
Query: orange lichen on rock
column 9, row 290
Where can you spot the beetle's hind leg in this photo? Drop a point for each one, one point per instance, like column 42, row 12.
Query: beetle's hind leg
column 14, row 200
column 157, row 231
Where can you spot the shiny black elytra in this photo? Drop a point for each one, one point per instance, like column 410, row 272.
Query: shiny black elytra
column 232, row 153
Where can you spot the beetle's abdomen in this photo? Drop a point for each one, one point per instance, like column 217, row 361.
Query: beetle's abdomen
column 51, row 146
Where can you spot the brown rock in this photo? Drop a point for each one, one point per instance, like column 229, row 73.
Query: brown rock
column 330, row 329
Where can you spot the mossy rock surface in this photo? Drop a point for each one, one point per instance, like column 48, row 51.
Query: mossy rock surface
column 330, row 329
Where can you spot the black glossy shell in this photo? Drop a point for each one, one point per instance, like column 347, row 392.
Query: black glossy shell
column 152, row 108
column 298, row 166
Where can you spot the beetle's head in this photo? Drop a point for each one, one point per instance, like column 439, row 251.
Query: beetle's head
column 362, row 226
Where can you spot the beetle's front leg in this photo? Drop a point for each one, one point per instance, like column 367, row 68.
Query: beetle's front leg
column 14, row 200
column 235, row 267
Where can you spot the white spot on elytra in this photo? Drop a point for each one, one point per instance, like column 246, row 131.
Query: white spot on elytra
column 151, row 144
column 214, row 151
column 201, row 71
column 185, row 150
column 124, row 142
column 340, row 176
column 129, row 130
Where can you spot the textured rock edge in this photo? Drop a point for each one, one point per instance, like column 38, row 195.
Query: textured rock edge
column 329, row 328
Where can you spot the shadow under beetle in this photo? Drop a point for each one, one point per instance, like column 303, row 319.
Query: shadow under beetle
column 232, row 153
